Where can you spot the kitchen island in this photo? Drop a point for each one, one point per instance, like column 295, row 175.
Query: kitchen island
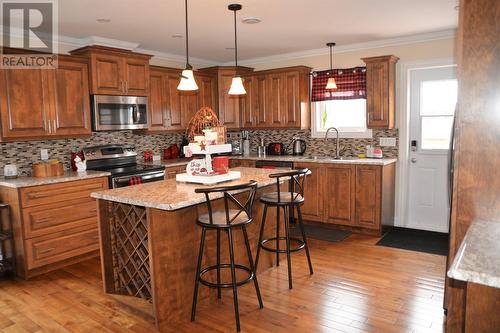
column 149, row 243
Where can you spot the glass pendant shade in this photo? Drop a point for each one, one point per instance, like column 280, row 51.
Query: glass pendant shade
column 187, row 82
column 237, row 87
column 331, row 84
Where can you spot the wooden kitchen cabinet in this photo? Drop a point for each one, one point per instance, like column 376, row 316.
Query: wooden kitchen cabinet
column 233, row 163
column 41, row 104
column 312, row 209
column 339, row 194
column 54, row 225
column 354, row 196
column 207, row 91
column 368, row 196
column 116, row 71
column 172, row 171
column 228, row 107
column 380, row 91
column 171, row 109
column 72, row 101
column 280, row 99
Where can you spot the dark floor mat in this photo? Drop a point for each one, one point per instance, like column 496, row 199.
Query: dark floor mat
column 321, row 233
column 416, row 240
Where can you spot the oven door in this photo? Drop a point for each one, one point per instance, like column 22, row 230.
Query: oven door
column 147, row 177
column 119, row 112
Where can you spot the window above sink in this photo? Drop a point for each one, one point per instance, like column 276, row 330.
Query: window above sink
column 348, row 116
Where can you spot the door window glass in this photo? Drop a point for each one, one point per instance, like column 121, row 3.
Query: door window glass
column 438, row 99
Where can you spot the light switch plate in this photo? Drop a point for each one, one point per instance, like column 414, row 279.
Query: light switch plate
column 387, row 142
column 44, row 154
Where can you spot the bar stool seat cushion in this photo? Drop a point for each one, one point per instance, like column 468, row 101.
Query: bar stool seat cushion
column 219, row 218
column 285, row 198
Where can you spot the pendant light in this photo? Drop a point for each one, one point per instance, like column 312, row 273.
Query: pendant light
column 331, row 84
column 187, row 78
column 237, row 87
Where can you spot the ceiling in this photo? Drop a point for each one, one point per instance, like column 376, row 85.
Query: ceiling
column 287, row 25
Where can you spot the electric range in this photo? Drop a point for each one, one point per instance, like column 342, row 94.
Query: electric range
column 120, row 161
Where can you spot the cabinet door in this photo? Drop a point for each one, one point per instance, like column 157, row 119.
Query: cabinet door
column 107, row 74
column 263, row 116
column 276, row 99
column 156, row 102
column 189, row 106
column 229, row 105
column 339, row 194
column 173, row 102
column 368, row 196
column 136, row 77
column 248, row 103
column 25, row 99
column 377, row 89
column 72, row 101
column 312, row 209
column 291, row 107
column 207, row 92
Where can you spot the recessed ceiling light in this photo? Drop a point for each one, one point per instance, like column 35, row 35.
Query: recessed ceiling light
column 103, row 20
column 251, row 20
column 177, row 36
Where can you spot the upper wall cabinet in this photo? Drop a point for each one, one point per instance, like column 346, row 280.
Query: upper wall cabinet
column 380, row 91
column 116, row 72
column 38, row 104
column 277, row 98
column 228, row 106
column 171, row 109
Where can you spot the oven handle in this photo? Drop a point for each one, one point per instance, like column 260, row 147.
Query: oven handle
column 134, row 114
column 144, row 176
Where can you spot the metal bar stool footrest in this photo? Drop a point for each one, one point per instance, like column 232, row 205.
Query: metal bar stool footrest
column 209, row 284
column 292, row 249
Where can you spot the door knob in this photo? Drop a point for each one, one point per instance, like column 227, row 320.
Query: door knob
column 413, row 160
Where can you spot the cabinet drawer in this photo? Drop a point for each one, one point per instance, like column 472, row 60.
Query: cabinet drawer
column 46, row 194
column 47, row 219
column 171, row 172
column 41, row 251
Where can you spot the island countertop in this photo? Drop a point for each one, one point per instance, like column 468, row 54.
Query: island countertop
column 172, row 195
column 478, row 258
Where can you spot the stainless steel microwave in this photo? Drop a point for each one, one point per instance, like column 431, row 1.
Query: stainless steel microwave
column 112, row 113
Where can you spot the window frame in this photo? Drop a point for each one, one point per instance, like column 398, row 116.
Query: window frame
column 318, row 134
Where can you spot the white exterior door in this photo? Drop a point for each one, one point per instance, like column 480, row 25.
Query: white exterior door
column 433, row 96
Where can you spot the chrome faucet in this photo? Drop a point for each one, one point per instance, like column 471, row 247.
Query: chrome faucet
column 337, row 148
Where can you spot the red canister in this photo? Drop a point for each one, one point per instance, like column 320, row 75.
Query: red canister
column 175, row 151
column 167, row 153
column 220, row 164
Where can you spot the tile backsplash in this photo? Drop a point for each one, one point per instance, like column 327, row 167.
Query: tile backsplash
column 23, row 154
column 348, row 147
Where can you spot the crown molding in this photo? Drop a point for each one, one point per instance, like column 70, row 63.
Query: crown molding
column 402, row 40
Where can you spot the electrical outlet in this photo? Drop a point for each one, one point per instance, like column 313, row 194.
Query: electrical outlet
column 44, row 154
column 387, row 142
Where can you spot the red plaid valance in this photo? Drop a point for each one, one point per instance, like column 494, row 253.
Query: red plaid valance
column 351, row 84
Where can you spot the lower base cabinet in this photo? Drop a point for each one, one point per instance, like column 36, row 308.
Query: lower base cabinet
column 357, row 196
column 54, row 225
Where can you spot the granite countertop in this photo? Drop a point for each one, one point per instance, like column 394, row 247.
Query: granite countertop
column 68, row 176
column 172, row 195
column 319, row 159
column 478, row 258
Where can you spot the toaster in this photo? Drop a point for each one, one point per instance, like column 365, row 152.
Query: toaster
column 276, row 148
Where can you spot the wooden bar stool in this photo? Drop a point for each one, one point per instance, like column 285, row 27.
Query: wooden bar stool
column 236, row 214
column 288, row 200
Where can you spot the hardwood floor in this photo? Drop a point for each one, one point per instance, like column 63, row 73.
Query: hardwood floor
column 356, row 287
